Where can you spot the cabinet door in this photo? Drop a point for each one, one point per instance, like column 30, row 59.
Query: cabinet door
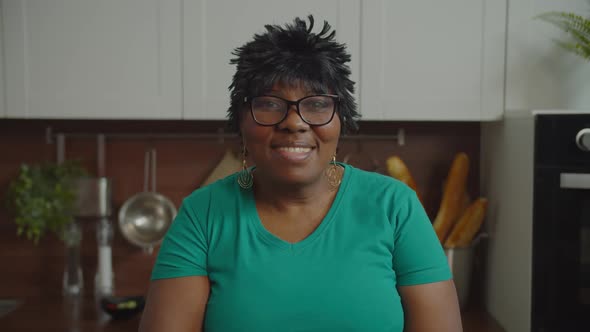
column 115, row 59
column 432, row 60
column 213, row 29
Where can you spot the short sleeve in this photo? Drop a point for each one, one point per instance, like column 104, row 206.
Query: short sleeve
column 418, row 257
column 184, row 249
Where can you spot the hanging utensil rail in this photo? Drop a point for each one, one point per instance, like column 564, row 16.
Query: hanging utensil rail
column 399, row 136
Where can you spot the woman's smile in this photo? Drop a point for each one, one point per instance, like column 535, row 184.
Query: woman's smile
column 293, row 152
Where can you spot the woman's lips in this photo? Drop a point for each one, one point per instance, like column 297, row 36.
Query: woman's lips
column 293, row 153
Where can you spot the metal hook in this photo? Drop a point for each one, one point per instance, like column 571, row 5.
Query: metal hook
column 49, row 135
column 100, row 155
column 401, row 137
column 61, row 148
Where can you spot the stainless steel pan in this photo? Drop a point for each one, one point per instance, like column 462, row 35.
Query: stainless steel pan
column 145, row 217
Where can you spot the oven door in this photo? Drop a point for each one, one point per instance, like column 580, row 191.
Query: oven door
column 561, row 250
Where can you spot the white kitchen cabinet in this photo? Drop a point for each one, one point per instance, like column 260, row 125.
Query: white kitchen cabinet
column 108, row 59
column 169, row 59
column 432, row 60
column 213, row 29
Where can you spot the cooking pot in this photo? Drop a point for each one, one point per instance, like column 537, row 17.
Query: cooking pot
column 145, row 217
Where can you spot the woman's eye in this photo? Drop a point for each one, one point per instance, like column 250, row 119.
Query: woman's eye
column 315, row 105
column 266, row 104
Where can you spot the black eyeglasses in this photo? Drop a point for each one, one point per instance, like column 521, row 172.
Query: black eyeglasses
column 316, row 110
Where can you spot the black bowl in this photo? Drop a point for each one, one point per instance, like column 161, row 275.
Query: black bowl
column 122, row 307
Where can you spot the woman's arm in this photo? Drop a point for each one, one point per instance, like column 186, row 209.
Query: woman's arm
column 431, row 307
column 176, row 304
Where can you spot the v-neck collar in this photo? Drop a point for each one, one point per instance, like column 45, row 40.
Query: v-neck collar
column 267, row 236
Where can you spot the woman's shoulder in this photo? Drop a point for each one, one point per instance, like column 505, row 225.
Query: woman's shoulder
column 221, row 191
column 373, row 182
column 379, row 193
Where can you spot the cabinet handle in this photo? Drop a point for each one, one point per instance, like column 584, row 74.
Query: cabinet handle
column 574, row 181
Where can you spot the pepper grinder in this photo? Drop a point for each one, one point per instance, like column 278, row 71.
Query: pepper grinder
column 104, row 274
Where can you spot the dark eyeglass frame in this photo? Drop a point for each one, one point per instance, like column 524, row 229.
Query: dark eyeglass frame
column 335, row 99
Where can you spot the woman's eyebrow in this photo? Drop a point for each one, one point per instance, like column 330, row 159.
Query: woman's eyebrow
column 280, row 94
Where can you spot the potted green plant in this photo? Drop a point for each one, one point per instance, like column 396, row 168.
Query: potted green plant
column 42, row 198
column 576, row 27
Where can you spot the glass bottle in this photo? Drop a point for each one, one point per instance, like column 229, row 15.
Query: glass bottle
column 73, row 282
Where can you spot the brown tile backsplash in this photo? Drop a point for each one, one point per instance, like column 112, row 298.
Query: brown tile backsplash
column 182, row 165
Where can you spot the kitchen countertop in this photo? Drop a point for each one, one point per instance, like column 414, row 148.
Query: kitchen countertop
column 478, row 320
column 59, row 314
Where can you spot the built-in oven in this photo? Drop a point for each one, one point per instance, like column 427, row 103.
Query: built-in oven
column 561, row 223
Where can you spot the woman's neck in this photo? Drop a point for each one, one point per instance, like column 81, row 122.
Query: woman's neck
column 285, row 196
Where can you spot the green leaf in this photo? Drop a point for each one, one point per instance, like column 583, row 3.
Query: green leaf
column 42, row 198
column 575, row 26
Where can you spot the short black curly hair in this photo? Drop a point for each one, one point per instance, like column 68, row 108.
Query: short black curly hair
column 293, row 55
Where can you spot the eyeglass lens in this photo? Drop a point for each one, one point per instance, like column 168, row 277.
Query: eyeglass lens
column 315, row 110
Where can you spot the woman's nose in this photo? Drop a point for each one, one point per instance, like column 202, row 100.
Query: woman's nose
column 293, row 121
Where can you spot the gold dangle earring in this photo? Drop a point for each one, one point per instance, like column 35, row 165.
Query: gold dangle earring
column 333, row 174
column 245, row 178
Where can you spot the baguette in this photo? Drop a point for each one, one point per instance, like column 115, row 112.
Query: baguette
column 398, row 170
column 468, row 225
column 465, row 202
column 450, row 206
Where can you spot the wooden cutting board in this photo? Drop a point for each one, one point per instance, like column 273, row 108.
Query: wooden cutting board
column 228, row 165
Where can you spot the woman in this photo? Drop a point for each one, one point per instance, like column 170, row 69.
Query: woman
column 299, row 242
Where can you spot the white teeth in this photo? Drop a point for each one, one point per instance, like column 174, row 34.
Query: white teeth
column 295, row 149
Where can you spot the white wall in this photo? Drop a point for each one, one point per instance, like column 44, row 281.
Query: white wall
column 539, row 75
column 507, row 181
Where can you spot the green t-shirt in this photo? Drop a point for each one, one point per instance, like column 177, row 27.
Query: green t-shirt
column 342, row 277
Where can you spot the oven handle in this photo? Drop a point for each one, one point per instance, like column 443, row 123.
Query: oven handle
column 574, row 180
